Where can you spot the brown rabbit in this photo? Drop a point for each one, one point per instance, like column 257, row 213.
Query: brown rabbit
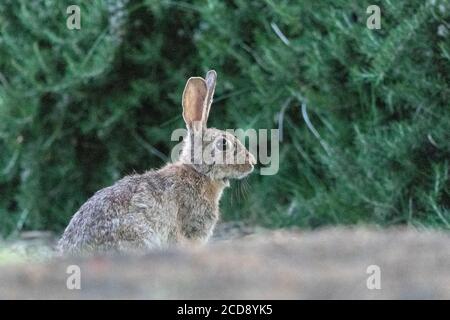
column 179, row 202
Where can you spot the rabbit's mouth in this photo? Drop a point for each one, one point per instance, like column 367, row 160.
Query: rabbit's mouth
column 226, row 182
column 235, row 172
column 244, row 170
column 238, row 176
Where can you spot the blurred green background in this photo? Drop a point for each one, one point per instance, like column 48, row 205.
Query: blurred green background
column 79, row 109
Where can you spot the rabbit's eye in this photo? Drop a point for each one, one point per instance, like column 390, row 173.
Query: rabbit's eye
column 222, row 144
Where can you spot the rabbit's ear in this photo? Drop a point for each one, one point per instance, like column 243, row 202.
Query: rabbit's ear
column 194, row 103
column 211, row 77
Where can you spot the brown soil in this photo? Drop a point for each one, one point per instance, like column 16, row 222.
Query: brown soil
column 325, row 264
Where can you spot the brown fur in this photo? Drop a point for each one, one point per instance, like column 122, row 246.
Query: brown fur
column 175, row 204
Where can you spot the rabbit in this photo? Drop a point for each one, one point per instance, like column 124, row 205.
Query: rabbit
column 176, row 204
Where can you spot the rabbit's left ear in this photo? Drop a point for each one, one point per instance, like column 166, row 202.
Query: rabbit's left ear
column 211, row 77
column 194, row 103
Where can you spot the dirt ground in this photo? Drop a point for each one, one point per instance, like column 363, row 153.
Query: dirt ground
column 324, row 264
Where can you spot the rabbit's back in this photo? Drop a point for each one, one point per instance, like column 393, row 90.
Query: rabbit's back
column 112, row 220
column 145, row 211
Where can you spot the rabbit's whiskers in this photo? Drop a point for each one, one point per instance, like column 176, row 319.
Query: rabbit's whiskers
column 245, row 188
column 241, row 191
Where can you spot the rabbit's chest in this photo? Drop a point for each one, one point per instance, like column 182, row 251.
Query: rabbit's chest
column 198, row 218
column 199, row 222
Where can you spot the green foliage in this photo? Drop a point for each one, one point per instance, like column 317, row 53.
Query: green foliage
column 81, row 108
